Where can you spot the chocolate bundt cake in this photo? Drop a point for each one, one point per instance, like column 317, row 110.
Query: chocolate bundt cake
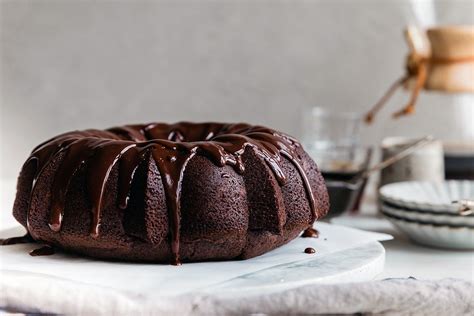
column 170, row 192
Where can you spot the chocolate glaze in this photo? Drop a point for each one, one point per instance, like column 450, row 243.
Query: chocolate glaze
column 310, row 232
column 43, row 251
column 171, row 146
column 309, row 250
column 16, row 240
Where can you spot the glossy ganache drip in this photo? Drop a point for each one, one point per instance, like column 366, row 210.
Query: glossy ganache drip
column 171, row 146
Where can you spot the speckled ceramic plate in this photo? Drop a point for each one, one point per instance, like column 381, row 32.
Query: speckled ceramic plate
column 434, row 235
column 428, row 217
column 428, row 196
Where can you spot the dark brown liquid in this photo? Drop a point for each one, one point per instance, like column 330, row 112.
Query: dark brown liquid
column 339, row 175
column 310, row 232
column 309, row 250
column 343, row 198
column 171, row 146
column 43, row 251
column 459, row 167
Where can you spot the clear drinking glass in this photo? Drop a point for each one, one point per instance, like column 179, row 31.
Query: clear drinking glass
column 332, row 138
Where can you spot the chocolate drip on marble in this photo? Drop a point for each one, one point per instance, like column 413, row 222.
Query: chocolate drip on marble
column 310, row 233
column 171, row 146
column 309, row 250
column 17, row 240
column 43, row 251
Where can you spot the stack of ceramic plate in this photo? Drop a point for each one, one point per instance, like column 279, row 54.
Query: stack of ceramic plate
column 433, row 214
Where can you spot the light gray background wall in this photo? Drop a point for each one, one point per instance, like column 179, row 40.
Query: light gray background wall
column 77, row 64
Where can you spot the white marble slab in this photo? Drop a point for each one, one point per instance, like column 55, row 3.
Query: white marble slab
column 342, row 254
column 357, row 264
